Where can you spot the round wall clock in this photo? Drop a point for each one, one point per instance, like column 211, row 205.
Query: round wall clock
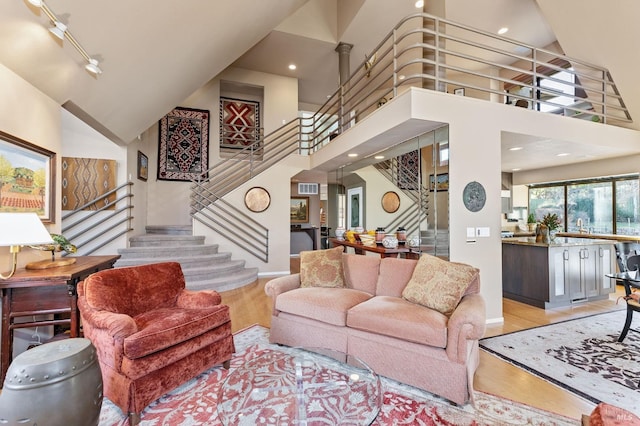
column 474, row 196
column 257, row 199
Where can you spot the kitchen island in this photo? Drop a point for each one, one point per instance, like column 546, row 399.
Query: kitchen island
column 566, row 271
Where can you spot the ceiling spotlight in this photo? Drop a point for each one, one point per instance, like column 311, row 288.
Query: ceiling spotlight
column 292, row 67
column 516, row 169
column 515, row 148
column 59, row 30
column 93, row 67
column 36, row 3
column 503, row 30
column 419, row 4
column 353, row 154
column 563, row 154
column 379, row 157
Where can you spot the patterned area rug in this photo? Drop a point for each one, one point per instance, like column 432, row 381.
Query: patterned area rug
column 194, row 403
column 183, row 148
column 581, row 355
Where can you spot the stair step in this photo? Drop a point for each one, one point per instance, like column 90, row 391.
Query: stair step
column 169, row 252
column 239, row 279
column 169, row 229
column 185, row 262
column 213, row 271
column 155, row 240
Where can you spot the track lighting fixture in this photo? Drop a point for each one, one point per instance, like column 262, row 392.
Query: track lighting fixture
column 61, row 31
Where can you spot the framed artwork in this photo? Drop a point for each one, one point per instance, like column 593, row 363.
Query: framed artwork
column 257, row 199
column 299, row 209
column 183, row 148
column 354, row 208
column 459, row 91
column 27, row 176
column 390, row 202
column 239, row 123
column 143, row 166
column 439, row 183
column 86, row 183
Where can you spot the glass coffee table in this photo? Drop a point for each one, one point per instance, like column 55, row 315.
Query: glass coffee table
column 300, row 387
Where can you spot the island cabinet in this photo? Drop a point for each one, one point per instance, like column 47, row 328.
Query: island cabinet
column 569, row 270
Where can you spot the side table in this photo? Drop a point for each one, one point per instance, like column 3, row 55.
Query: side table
column 44, row 292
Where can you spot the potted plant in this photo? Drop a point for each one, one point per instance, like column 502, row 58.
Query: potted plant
column 552, row 221
column 531, row 222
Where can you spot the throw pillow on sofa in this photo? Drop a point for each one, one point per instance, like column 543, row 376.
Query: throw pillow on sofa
column 438, row 284
column 322, row 268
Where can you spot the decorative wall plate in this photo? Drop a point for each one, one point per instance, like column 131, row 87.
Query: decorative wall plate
column 390, row 202
column 257, row 199
column 474, row 196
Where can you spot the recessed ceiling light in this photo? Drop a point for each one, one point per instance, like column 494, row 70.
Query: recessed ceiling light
column 515, row 148
column 379, row 157
column 401, row 77
column 353, row 154
column 419, row 4
column 563, row 154
column 292, row 67
column 516, row 169
column 503, row 30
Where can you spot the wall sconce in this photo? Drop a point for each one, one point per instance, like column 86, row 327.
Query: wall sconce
column 61, row 31
column 21, row 229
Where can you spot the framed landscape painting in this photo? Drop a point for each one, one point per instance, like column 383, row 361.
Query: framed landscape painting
column 27, row 176
column 299, row 209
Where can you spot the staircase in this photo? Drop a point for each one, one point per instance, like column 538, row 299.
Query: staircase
column 203, row 266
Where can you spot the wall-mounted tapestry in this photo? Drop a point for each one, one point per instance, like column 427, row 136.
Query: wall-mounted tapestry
column 183, row 149
column 409, row 170
column 239, row 123
column 85, row 181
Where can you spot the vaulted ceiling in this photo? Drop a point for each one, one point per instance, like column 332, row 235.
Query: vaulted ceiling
column 155, row 54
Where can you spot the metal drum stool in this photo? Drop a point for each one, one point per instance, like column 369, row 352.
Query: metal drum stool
column 55, row 384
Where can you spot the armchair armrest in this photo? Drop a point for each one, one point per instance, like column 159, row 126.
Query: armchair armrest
column 198, row 299
column 118, row 326
column 467, row 322
column 277, row 286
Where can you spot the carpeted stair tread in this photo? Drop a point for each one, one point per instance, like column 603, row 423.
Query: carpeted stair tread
column 165, row 240
column 185, row 261
column 213, row 271
column 169, row 229
column 238, row 279
column 171, row 252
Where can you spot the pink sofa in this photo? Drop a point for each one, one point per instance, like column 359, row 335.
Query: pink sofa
column 369, row 319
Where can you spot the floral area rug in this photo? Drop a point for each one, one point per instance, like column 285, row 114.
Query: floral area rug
column 194, row 403
column 581, row 355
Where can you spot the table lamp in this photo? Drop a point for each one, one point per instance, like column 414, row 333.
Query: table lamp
column 21, row 229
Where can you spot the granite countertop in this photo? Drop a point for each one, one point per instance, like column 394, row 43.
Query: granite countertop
column 557, row 242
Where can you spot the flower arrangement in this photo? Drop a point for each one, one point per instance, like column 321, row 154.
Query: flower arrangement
column 552, row 221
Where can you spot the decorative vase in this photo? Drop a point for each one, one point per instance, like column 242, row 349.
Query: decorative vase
column 390, row 241
column 414, row 241
column 380, row 234
column 401, row 235
column 340, row 232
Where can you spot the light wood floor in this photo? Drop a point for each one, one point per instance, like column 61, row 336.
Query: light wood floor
column 249, row 305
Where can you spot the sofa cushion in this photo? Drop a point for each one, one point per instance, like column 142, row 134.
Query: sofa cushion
column 329, row 305
column 322, row 268
column 396, row 317
column 394, row 275
column 163, row 328
column 438, row 284
column 361, row 272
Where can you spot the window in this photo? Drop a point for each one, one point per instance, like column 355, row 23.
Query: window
column 544, row 200
column 558, row 89
column 627, row 204
column 591, row 206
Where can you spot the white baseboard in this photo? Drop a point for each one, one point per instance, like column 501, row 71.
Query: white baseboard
column 499, row 320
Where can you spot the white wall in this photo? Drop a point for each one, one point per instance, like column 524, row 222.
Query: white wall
column 280, row 103
column 27, row 113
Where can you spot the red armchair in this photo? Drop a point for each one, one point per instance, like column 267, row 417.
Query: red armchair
column 151, row 333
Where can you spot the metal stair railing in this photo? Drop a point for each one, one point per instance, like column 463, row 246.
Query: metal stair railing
column 432, row 53
column 91, row 231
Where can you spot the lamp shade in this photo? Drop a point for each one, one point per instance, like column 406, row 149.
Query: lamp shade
column 20, row 229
